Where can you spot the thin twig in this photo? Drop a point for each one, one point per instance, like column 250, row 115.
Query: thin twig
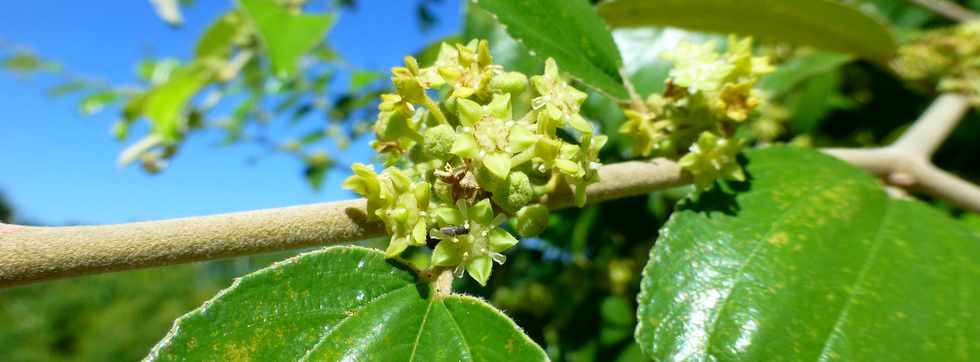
column 948, row 9
column 31, row 254
column 636, row 101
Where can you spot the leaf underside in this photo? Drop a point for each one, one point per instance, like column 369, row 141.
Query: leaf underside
column 569, row 31
column 809, row 261
column 343, row 303
column 823, row 24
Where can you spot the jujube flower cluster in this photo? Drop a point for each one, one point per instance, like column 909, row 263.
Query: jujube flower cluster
column 708, row 95
column 469, row 145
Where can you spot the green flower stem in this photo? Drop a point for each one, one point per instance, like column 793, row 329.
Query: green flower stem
column 636, row 101
column 433, row 108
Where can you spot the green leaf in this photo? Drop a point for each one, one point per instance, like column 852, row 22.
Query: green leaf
column 95, row 102
column 285, row 36
column 972, row 222
column 790, row 74
column 165, row 104
column 314, row 176
column 568, row 31
column 812, row 102
column 156, row 71
column 480, row 24
column 343, row 303
column 810, row 260
column 25, row 63
column 219, row 39
column 823, row 24
column 66, row 88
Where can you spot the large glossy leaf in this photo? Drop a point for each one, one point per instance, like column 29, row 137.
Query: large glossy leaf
column 809, row 261
column 569, row 31
column 285, row 36
column 826, row 24
column 343, row 303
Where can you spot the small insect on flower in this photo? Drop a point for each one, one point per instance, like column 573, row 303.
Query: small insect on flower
column 455, row 230
column 448, row 231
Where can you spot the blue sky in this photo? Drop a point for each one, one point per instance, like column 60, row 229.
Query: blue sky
column 59, row 167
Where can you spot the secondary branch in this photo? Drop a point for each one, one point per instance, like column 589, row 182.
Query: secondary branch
column 906, row 163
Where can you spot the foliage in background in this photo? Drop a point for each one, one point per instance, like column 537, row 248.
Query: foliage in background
column 586, row 267
column 263, row 61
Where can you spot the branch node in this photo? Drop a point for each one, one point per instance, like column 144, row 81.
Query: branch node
column 901, row 179
column 443, row 281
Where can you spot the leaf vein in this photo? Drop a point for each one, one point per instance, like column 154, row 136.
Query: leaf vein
column 737, row 278
column 418, row 335
column 349, row 317
column 466, row 344
column 872, row 255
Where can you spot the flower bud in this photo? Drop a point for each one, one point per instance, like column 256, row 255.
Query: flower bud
column 516, row 193
column 408, row 85
column 484, row 58
column 510, row 82
column 438, row 141
column 532, row 220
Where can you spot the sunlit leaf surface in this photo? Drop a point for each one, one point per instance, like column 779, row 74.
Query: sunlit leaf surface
column 809, row 261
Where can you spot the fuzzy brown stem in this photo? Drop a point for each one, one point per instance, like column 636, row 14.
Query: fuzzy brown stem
column 32, row 254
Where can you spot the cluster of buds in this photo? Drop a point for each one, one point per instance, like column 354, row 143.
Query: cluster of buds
column 492, row 147
column 708, row 95
column 948, row 59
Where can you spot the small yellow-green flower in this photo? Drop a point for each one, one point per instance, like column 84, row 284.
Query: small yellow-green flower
column 711, row 158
